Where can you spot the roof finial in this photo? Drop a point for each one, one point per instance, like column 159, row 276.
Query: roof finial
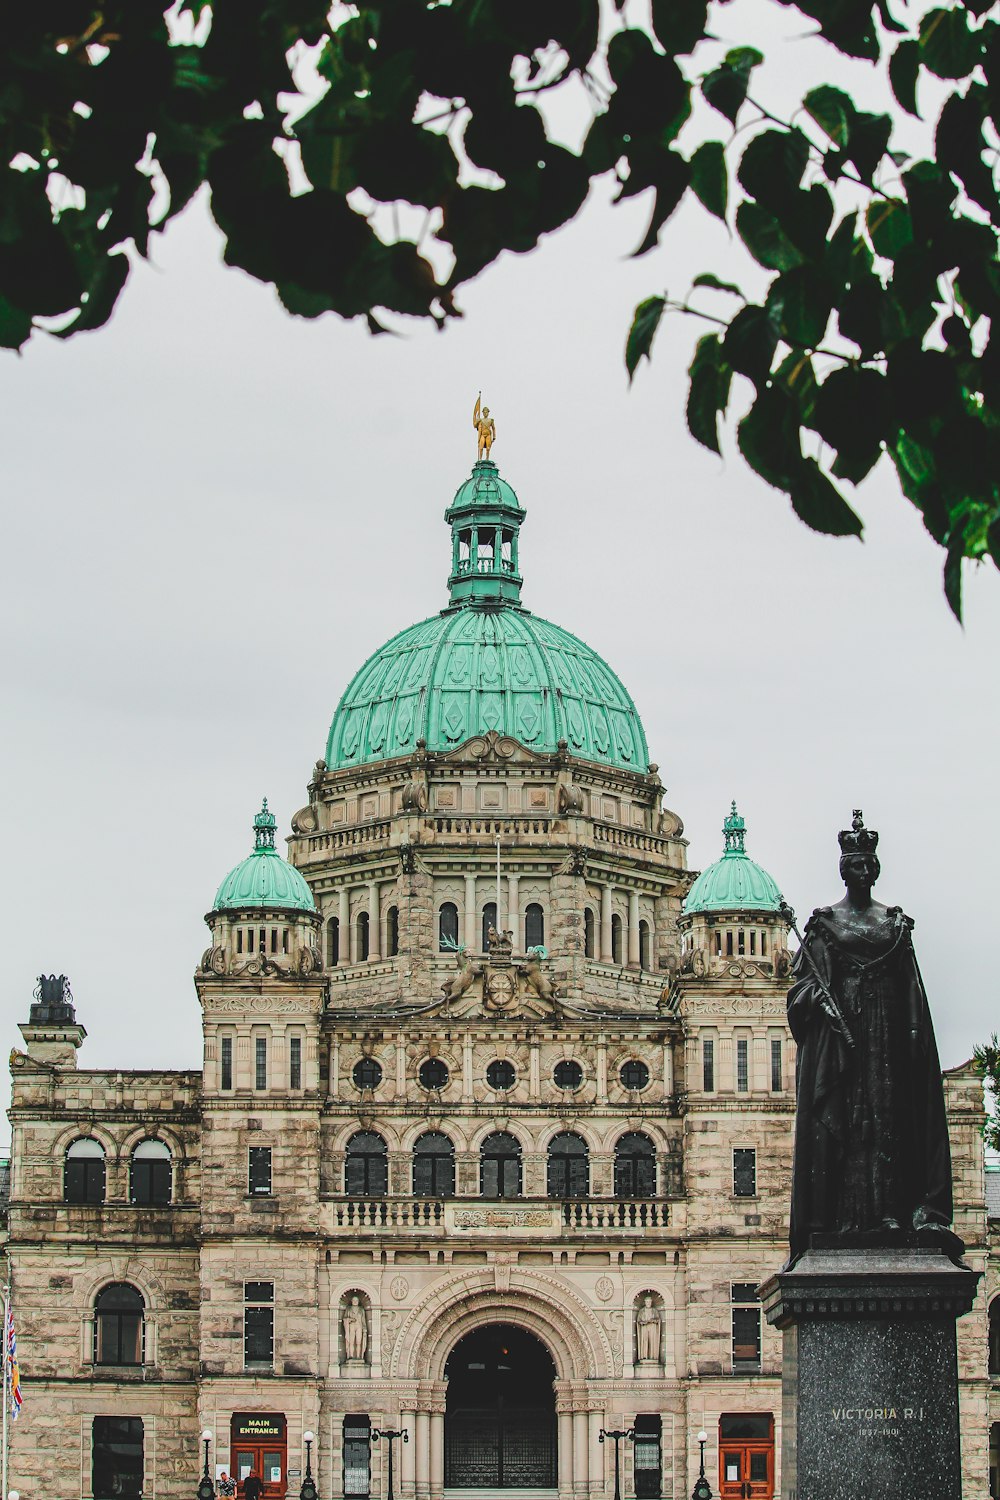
column 263, row 828
column 485, row 427
column 734, row 829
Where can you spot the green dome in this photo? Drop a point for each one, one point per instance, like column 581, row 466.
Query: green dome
column 264, row 879
column 485, row 663
column 734, row 882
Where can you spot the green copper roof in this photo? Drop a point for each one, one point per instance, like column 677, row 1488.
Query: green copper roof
column 734, row 882
column 485, row 662
column 264, row 879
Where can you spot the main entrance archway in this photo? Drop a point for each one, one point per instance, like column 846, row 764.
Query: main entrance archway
column 500, row 1418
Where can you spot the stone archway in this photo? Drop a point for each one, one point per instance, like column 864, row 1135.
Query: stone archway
column 500, row 1412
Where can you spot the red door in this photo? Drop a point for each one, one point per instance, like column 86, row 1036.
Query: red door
column 746, row 1456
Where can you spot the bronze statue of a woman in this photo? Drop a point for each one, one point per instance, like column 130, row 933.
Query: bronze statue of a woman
column 872, row 1161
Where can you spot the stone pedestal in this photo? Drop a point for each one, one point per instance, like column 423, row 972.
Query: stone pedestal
column 869, row 1373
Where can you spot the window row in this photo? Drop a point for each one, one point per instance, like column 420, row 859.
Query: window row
column 501, row 1074
column 366, row 1166
column 150, row 1173
column 261, row 1062
column 742, row 1077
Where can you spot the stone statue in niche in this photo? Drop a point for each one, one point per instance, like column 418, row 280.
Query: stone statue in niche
column 355, row 1329
column 647, row 1325
column 872, row 1163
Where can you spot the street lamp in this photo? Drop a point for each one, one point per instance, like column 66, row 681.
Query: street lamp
column 308, row 1490
column 206, row 1489
column 390, row 1434
column 702, row 1489
column 617, row 1434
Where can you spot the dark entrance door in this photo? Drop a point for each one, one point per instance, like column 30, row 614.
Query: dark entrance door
column 500, row 1421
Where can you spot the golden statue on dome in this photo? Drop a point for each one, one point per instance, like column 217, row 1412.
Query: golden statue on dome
column 485, row 427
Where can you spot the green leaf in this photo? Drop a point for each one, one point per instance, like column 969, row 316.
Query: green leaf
column 904, row 66
column 947, row 46
column 765, row 238
column 832, row 110
column 679, row 24
column 889, row 226
column 640, row 336
column 818, row 502
column 707, row 279
column 709, row 177
column 708, row 394
column 749, row 343
column 15, row 325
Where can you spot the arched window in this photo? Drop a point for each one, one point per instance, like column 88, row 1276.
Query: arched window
column 644, row 945
column 433, row 1166
column 149, row 1173
column 363, row 937
column 366, row 1167
column 500, row 1166
column 534, row 925
column 589, row 947
column 616, row 938
column 448, row 927
column 635, row 1166
column 489, row 920
column 333, row 942
column 83, row 1175
column 994, row 1345
column 568, row 1172
column 392, row 932
column 118, row 1325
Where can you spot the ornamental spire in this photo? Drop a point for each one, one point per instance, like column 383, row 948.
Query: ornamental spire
column 734, row 829
column 263, row 828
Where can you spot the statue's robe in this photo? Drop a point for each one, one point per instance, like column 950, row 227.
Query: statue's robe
column 871, row 1134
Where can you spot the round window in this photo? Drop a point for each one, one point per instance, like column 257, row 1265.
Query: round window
column 367, row 1073
column 501, row 1074
column 567, row 1075
column 433, row 1073
column 634, row 1075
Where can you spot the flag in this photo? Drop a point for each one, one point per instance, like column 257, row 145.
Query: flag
column 13, row 1369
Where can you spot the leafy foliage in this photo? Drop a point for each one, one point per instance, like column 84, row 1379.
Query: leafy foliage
column 872, row 334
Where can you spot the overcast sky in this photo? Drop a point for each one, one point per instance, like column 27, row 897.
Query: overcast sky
column 214, row 513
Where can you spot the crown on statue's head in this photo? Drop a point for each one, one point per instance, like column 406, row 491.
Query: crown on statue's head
column 858, row 839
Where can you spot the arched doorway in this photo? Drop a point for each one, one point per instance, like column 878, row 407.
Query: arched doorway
column 500, row 1418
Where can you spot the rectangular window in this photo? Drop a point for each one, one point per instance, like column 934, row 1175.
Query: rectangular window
column 259, row 1175
column 117, row 1461
column 742, row 1065
column 227, row 1062
column 708, row 1065
column 258, row 1323
column 744, row 1172
column 357, row 1457
column 746, row 1328
column 648, row 1462
column 260, row 1062
column 295, row 1062
column 777, row 1082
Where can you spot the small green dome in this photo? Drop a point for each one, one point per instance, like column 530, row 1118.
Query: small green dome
column 264, row 879
column 734, row 882
column 486, row 663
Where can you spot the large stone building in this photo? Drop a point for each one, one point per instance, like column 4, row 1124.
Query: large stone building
column 491, row 1141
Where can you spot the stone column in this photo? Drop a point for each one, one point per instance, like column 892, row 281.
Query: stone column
column 581, row 1468
column 605, row 924
column 633, row 929
column 514, row 911
column 422, row 1438
column 471, row 937
column 374, row 923
column 408, row 1457
column 437, row 1455
column 344, row 918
